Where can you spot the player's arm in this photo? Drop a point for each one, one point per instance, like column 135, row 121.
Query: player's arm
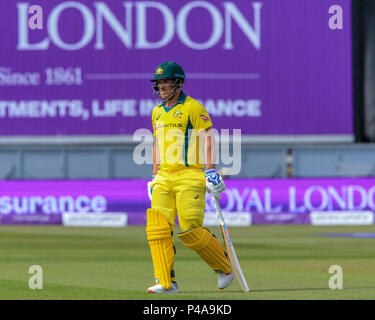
column 155, row 168
column 155, row 157
column 201, row 122
column 214, row 182
column 209, row 147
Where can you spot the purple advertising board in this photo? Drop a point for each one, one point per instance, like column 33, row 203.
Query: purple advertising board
column 270, row 68
column 267, row 201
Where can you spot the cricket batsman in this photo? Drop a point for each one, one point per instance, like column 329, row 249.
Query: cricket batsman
column 179, row 181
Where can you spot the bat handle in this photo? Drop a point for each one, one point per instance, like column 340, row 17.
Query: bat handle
column 218, row 211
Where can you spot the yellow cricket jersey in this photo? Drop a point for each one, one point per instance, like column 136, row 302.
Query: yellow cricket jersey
column 176, row 129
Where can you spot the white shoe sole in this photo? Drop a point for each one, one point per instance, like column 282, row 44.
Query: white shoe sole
column 159, row 289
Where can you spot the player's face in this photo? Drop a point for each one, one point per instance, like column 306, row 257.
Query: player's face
column 165, row 88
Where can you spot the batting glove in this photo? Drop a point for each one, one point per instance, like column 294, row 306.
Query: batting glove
column 149, row 189
column 214, row 183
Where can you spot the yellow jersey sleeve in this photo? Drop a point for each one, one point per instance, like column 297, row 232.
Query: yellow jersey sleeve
column 199, row 117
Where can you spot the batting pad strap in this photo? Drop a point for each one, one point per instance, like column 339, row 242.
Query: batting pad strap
column 208, row 247
column 159, row 233
column 196, row 238
column 159, row 236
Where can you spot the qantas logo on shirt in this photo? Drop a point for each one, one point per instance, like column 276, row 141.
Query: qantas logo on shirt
column 168, row 125
column 204, row 117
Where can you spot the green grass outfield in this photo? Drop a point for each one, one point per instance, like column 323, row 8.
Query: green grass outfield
column 279, row 262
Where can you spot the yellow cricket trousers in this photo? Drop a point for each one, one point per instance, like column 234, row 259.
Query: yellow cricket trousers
column 180, row 191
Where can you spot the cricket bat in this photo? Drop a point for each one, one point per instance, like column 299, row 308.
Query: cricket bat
column 236, row 268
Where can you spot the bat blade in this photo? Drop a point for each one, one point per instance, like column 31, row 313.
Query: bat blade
column 236, row 268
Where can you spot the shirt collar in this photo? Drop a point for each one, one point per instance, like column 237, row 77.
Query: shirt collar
column 181, row 99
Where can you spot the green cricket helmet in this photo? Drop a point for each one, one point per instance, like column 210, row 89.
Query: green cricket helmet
column 168, row 71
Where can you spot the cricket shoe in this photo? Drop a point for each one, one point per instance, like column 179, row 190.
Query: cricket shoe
column 224, row 280
column 158, row 288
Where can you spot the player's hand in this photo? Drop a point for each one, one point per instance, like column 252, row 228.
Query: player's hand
column 149, row 189
column 214, row 182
